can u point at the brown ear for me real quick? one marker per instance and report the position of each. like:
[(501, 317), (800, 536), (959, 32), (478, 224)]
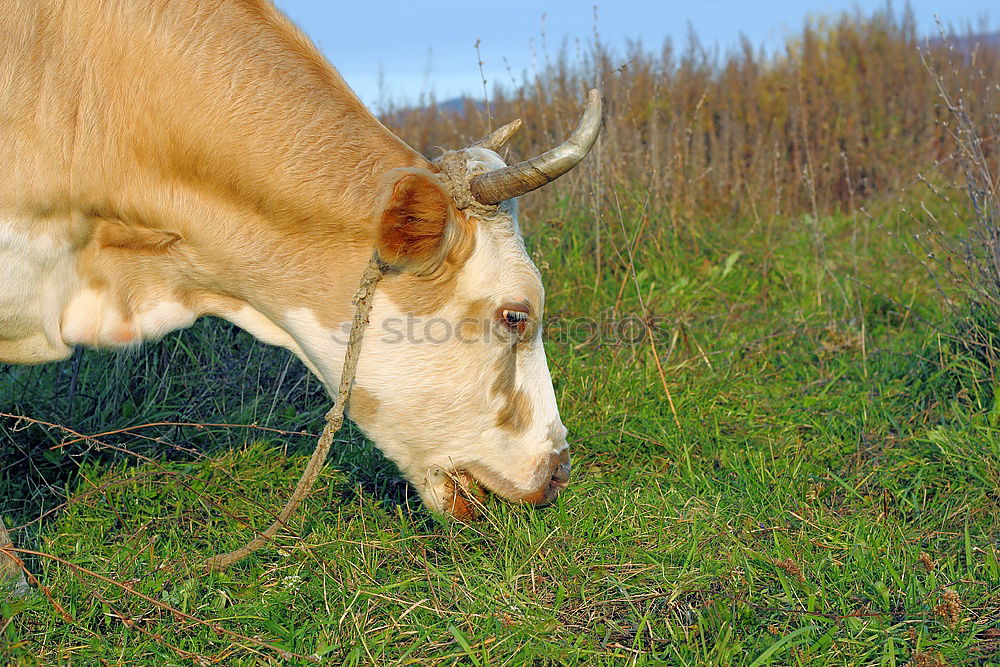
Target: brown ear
[(414, 225)]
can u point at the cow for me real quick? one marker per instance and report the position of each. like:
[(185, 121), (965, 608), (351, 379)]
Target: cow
[(163, 160)]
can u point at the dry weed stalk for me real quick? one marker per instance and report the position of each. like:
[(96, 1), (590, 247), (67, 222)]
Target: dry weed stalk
[(958, 228)]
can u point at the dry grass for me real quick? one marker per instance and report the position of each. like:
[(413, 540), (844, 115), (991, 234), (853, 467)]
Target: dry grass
[(845, 113)]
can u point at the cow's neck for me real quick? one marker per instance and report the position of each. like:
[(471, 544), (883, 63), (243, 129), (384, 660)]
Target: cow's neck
[(215, 164)]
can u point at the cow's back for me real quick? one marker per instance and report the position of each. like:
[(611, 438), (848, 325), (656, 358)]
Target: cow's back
[(211, 121)]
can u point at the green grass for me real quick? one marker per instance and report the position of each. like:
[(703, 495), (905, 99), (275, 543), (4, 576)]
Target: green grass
[(828, 438)]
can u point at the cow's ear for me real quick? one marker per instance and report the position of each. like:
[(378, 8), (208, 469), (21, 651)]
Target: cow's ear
[(416, 223)]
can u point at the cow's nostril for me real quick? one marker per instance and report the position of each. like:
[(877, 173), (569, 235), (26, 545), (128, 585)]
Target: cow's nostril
[(560, 474)]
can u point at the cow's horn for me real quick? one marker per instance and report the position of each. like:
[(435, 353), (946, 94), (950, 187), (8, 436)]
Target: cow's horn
[(501, 184), (500, 136)]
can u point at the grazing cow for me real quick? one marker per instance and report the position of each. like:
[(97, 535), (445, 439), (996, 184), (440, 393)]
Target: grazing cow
[(168, 159)]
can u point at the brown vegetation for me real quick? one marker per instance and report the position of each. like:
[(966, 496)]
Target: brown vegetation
[(847, 111)]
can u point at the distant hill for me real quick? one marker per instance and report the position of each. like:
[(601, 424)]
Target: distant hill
[(969, 43), (453, 105), (458, 104)]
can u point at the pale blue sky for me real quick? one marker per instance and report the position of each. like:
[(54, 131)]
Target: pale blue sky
[(426, 46)]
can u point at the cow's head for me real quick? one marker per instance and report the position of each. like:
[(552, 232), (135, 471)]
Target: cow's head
[(453, 383)]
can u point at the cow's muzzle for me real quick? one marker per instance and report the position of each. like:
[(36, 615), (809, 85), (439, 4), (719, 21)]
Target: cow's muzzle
[(463, 496), (558, 480)]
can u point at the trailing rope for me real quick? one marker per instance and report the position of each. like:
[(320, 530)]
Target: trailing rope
[(334, 419)]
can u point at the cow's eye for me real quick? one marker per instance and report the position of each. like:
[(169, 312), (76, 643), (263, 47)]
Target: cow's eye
[(514, 319)]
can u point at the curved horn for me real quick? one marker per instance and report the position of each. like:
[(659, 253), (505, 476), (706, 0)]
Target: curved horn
[(501, 184), (500, 136)]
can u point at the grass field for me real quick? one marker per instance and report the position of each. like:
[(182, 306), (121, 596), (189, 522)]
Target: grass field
[(824, 490), (828, 498)]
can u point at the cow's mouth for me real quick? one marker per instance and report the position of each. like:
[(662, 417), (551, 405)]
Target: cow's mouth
[(466, 487)]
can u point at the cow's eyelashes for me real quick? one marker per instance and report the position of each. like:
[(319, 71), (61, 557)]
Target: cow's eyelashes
[(514, 319)]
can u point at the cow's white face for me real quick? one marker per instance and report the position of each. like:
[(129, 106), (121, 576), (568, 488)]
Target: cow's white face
[(452, 382)]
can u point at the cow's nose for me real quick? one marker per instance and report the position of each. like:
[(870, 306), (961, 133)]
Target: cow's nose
[(560, 473), (558, 480)]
